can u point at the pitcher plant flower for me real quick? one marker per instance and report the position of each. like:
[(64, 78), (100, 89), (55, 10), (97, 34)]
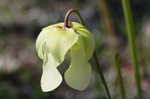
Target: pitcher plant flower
[(54, 43)]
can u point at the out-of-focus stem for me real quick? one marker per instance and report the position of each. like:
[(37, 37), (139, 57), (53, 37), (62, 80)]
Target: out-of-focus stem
[(120, 79), (131, 39), (107, 22), (102, 76)]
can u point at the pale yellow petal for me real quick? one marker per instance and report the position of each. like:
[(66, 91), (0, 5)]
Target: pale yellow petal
[(78, 74), (51, 78), (87, 39), (58, 41)]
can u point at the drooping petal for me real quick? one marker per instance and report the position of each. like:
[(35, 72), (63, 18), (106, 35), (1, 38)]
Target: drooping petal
[(88, 43), (52, 45), (51, 78), (58, 41), (79, 72), (87, 39)]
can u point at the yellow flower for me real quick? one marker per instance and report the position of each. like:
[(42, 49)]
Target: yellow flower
[(52, 45)]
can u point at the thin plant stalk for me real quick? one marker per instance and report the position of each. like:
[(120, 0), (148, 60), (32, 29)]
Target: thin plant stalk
[(67, 24), (120, 78), (131, 40), (102, 76), (109, 28), (69, 12)]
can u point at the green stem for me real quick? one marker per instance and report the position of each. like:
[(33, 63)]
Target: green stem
[(132, 44), (121, 84), (69, 12), (66, 24), (102, 76)]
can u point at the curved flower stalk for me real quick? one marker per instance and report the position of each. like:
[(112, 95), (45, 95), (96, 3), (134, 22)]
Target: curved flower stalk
[(54, 43)]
